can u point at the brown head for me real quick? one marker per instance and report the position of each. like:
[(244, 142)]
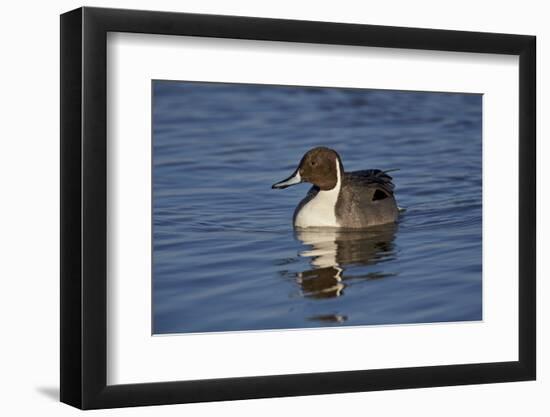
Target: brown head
[(319, 166)]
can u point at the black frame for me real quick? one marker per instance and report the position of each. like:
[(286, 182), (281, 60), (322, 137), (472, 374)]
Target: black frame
[(84, 208)]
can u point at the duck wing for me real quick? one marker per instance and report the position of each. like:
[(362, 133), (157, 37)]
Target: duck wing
[(366, 199), (371, 178)]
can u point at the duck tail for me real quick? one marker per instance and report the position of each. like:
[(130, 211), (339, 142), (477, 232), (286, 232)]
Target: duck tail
[(391, 170)]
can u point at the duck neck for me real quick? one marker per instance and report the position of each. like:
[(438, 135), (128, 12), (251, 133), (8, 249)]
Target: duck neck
[(336, 189), (320, 211)]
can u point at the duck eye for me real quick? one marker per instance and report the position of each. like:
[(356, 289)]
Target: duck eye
[(312, 163)]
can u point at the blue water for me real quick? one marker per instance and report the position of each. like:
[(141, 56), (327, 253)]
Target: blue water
[(225, 255)]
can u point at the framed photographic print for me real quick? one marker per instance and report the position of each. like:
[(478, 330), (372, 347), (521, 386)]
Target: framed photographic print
[(258, 207)]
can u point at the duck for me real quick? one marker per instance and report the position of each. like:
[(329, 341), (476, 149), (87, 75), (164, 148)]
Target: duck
[(339, 199)]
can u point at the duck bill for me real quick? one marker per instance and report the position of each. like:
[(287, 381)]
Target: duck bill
[(292, 180)]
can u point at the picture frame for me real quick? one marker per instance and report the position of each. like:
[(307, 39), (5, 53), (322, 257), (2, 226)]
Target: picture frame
[(84, 222)]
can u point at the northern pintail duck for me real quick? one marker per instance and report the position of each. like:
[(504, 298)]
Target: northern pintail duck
[(341, 199)]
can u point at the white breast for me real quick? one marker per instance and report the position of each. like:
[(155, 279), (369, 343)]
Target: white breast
[(320, 211)]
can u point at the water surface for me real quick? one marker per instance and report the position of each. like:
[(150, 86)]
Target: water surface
[(225, 255)]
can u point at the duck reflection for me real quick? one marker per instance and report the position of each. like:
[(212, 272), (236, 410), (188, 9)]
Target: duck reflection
[(332, 250)]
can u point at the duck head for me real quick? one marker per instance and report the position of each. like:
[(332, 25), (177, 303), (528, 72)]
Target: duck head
[(320, 166)]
